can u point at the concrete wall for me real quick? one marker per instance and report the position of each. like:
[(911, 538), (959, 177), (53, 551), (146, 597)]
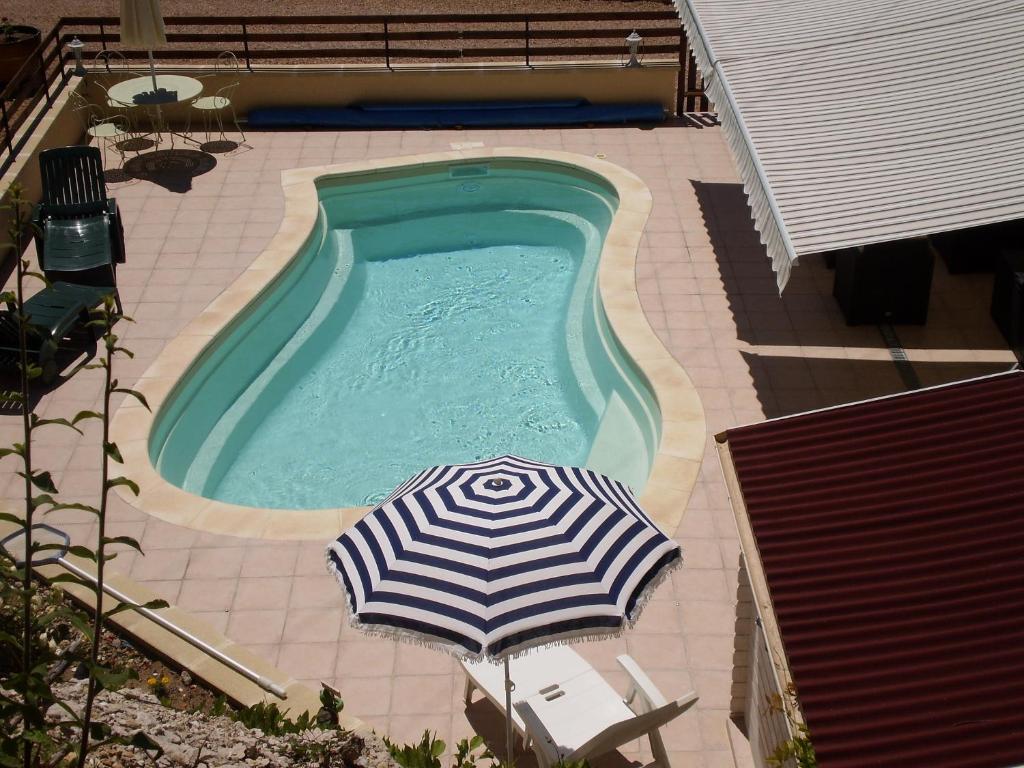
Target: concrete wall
[(315, 86), (305, 86), (57, 127), (757, 695)]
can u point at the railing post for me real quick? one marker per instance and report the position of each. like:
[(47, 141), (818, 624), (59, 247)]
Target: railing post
[(684, 47), (42, 73), (526, 38), (387, 46), (7, 128), (699, 102), (245, 46), (103, 38)]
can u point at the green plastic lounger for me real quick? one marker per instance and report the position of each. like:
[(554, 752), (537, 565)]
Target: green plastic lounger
[(52, 314), (79, 237)]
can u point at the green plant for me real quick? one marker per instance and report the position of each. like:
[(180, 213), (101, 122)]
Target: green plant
[(343, 750), (23, 714), (100, 677), (219, 707), (426, 754), (428, 751), (27, 738), (797, 750), (464, 756), (267, 717), (331, 706), (157, 684)]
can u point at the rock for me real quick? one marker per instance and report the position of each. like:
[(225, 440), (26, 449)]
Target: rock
[(81, 671), (186, 678), (225, 743)]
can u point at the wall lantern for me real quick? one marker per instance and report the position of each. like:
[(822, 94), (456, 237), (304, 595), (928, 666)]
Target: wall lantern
[(76, 47)]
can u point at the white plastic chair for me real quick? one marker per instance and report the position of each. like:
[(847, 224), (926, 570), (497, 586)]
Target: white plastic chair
[(569, 712)]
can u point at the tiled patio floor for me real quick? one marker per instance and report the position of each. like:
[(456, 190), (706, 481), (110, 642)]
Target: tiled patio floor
[(708, 291)]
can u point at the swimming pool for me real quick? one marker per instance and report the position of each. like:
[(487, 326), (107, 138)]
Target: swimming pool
[(440, 313)]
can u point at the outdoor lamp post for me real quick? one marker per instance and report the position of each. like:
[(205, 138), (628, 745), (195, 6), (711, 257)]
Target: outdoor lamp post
[(76, 47), (636, 44)]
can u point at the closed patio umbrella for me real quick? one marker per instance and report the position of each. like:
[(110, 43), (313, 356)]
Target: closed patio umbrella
[(142, 26), (489, 559)]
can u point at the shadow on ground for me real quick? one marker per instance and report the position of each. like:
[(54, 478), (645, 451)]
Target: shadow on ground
[(806, 314), (70, 360), (172, 169)]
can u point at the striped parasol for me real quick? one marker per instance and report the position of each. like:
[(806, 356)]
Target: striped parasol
[(489, 559)]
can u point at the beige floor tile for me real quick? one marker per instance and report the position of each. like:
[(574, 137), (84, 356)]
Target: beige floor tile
[(417, 660), (262, 593), (366, 658), (657, 652), (316, 592), (207, 594), (278, 560), (308, 660), (250, 627), (708, 617), (218, 620), (312, 625), (214, 563), (709, 652), (659, 617), (364, 696), (421, 694), (160, 565)]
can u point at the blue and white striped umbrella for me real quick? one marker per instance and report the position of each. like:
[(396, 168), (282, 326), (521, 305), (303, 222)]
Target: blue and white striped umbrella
[(489, 559)]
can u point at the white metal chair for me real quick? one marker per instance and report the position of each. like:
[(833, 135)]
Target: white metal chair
[(568, 711), (110, 130), (213, 108), (109, 67)]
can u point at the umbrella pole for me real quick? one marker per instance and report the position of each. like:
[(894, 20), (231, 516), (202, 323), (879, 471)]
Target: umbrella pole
[(509, 685), (152, 69)]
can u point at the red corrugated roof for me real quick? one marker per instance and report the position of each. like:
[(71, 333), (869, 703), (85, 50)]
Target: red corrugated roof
[(891, 534)]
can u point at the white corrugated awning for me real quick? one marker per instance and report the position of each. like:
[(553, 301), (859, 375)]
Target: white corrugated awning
[(856, 123)]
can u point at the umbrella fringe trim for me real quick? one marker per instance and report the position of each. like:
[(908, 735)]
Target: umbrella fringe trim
[(413, 637)]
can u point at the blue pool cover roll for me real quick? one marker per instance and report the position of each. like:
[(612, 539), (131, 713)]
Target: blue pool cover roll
[(412, 106), (456, 114)]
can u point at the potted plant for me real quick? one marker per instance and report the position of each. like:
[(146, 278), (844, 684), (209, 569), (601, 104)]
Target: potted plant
[(17, 43)]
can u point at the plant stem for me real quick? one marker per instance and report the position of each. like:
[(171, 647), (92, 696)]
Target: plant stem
[(93, 688), (26, 424)]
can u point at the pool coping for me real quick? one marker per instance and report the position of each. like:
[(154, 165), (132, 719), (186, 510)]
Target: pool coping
[(683, 428)]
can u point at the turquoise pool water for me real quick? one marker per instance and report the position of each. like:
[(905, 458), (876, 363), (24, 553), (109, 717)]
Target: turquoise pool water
[(440, 315)]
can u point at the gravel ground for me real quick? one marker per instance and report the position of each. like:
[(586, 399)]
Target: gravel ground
[(189, 740), (44, 14)]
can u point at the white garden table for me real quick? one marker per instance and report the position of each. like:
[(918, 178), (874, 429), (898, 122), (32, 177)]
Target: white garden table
[(170, 89)]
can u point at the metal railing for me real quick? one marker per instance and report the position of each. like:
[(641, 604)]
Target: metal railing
[(390, 39), (40, 77), (528, 40)]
